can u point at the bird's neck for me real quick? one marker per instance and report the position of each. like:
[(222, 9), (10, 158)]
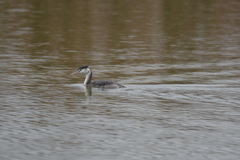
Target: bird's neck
[(88, 77)]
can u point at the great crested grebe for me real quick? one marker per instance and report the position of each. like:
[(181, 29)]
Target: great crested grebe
[(97, 84)]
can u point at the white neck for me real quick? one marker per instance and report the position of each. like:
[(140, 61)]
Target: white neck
[(88, 77)]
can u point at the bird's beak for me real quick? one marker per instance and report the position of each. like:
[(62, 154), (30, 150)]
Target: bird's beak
[(75, 72)]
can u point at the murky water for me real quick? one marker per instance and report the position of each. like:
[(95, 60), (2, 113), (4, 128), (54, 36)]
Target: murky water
[(179, 61)]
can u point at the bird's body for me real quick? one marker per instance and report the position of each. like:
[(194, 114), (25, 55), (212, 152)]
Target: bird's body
[(106, 84), (96, 84)]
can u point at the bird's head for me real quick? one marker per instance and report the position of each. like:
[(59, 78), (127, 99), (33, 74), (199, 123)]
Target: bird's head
[(83, 69)]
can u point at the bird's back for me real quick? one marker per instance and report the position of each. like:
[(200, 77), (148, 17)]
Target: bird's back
[(106, 84)]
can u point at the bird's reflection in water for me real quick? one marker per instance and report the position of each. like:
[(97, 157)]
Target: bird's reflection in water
[(85, 97), (88, 91)]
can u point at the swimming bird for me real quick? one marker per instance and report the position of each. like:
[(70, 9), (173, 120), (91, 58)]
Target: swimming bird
[(97, 84)]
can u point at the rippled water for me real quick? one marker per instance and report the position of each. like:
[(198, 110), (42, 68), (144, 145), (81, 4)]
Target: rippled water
[(179, 62)]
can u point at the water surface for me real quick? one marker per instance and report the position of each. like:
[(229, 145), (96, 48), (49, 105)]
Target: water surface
[(178, 60)]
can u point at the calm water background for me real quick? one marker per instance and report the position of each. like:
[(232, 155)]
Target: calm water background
[(179, 61)]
